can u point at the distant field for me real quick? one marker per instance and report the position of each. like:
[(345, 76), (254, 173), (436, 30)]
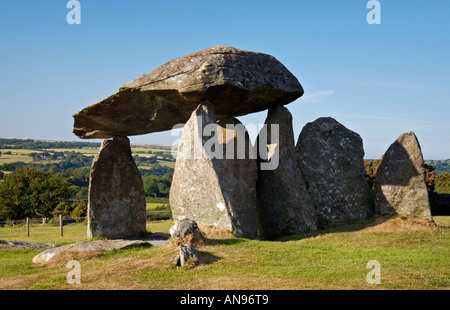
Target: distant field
[(170, 164), (7, 159), (151, 206), (16, 155), (21, 155), (84, 151)]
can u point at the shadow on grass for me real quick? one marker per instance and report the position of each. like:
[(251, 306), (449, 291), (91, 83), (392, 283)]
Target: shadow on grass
[(341, 227), (224, 241), (206, 258)]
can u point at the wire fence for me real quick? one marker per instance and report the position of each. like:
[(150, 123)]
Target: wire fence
[(151, 216)]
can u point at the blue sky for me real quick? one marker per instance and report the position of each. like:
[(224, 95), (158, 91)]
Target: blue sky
[(378, 80)]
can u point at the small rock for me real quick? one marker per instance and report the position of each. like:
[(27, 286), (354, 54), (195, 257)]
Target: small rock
[(186, 231), (184, 228), (186, 254)]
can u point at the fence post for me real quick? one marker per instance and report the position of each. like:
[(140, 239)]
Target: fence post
[(60, 225), (28, 227)]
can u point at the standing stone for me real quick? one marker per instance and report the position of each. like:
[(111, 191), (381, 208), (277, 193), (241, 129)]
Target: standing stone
[(330, 157), (116, 206), (286, 207), (208, 189), (400, 180)]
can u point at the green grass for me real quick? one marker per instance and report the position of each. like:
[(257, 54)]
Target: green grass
[(334, 258), (170, 164), (153, 206), (16, 155)]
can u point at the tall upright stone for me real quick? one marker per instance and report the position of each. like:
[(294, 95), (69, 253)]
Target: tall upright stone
[(208, 186), (330, 157), (285, 205), (116, 207), (400, 186)]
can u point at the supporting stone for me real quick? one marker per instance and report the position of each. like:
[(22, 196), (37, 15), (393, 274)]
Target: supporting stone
[(330, 157), (286, 207), (400, 186), (116, 207), (208, 186)]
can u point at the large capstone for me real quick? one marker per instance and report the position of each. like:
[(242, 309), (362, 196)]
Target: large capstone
[(116, 207), (400, 186), (330, 157), (285, 205), (236, 82), (209, 186)]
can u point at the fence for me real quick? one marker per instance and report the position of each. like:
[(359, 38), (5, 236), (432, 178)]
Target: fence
[(60, 221)]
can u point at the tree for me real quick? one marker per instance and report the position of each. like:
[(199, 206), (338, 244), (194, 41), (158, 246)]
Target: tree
[(442, 182), (371, 170), (80, 210), (157, 186), (31, 192), (429, 180), (429, 177)]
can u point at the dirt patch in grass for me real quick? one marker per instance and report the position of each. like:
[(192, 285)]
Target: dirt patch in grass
[(400, 224)]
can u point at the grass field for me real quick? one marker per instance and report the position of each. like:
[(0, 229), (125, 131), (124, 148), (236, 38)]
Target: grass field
[(151, 206), (16, 155), (412, 255)]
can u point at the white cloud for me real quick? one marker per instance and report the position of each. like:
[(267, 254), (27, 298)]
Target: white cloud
[(317, 96)]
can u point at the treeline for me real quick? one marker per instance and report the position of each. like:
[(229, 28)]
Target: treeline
[(30, 144), (442, 183), (440, 165), (30, 192), (437, 183), (157, 186)]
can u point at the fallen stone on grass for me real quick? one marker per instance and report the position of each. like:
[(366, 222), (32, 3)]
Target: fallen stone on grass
[(95, 245), (16, 244)]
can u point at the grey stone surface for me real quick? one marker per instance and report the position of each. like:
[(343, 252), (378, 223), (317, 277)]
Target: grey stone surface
[(116, 207), (285, 205), (236, 82), (212, 191), (186, 253), (17, 244), (184, 228), (330, 157), (86, 246), (400, 180)]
